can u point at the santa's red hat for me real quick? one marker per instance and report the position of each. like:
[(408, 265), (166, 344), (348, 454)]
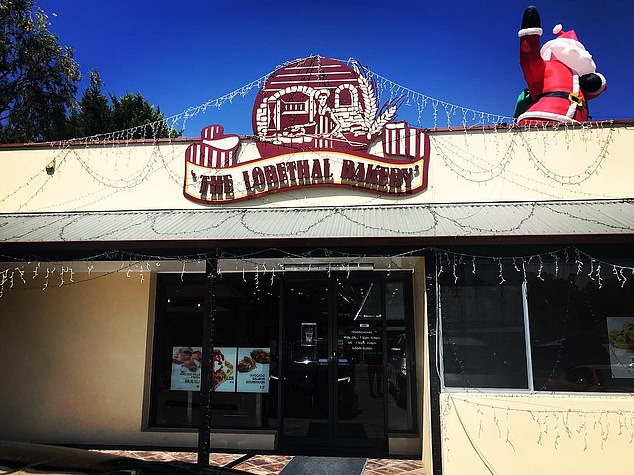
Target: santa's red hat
[(559, 31)]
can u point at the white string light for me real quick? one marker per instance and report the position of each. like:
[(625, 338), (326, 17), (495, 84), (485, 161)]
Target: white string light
[(421, 100), (123, 138), (551, 423)]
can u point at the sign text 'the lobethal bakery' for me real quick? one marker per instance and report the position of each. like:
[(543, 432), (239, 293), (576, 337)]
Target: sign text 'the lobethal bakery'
[(316, 123)]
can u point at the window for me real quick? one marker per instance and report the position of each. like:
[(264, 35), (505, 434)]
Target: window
[(246, 332), (483, 331), (246, 325), (582, 336), (400, 359), (581, 329)]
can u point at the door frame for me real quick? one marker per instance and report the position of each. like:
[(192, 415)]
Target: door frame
[(332, 441)]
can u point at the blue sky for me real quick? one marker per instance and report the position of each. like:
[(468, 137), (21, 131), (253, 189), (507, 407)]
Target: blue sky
[(180, 54)]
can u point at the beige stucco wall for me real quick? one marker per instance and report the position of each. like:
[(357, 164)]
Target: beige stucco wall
[(60, 387), (470, 166), (540, 433), (74, 362)]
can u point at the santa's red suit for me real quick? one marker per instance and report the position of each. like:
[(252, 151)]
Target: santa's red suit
[(556, 76)]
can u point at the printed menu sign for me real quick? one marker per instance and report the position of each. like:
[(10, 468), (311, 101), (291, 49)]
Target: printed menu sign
[(186, 362), (362, 338), (253, 370), (223, 375), (621, 344), (243, 370)]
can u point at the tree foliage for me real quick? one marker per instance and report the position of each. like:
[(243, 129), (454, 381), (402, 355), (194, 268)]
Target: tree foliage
[(38, 86), (38, 76), (132, 110), (132, 113), (92, 116)]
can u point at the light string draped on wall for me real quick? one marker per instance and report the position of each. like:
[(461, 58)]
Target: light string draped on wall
[(44, 275), (464, 164), (456, 262), (480, 169), (448, 262), (553, 425), (458, 159), (554, 419)]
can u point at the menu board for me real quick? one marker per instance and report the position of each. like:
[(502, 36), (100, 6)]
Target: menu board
[(243, 370), (253, 370), (621, 345)]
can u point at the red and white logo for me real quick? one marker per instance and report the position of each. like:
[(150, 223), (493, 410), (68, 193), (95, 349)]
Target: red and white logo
[(314, 121)]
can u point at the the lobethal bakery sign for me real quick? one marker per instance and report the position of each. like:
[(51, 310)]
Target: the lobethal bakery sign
[(317, 123)]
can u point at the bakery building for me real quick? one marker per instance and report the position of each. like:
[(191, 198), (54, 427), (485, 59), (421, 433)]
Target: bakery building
[(368, 287)]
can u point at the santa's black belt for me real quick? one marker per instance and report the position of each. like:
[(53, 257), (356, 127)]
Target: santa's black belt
[(564, 95)]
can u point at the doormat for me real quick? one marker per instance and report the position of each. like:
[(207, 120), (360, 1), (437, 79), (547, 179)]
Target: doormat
[(304, 465)]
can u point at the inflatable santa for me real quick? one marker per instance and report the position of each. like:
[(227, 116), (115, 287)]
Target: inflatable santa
[(561, 77)]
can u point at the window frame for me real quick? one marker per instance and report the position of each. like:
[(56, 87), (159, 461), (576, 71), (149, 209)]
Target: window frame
[(384, 277), (529, 359), (153, 368)]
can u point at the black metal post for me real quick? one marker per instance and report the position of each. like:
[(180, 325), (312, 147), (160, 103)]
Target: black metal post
[(431, 292), (204, 426)]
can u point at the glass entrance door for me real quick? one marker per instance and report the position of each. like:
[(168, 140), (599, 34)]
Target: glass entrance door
[(359, 323), (333, 384), (306, 366)]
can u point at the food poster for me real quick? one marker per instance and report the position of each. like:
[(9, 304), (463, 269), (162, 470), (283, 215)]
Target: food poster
[(186, 363), (253, 370), (621, 346), (223, 375)]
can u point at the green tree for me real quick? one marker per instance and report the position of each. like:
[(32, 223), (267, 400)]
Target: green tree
[(38, 76), (131, 113), (134, 112), (93, 115)]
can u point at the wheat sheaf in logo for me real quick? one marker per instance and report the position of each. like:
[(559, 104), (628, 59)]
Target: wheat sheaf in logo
[(316, 122)]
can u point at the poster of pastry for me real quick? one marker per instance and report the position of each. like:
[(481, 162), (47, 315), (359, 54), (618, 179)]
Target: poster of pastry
[(223, 374), (252, 370), (621, 346), (186, 363)]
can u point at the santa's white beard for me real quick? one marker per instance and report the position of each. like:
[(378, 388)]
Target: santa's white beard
[(570, 52)]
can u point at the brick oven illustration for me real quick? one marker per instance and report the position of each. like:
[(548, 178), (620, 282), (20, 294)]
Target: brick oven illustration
[(317, 123), (318, 103)]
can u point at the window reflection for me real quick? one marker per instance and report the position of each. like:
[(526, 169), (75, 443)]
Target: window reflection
[(571, 319), (400, 355), (581, 327), (483, 331), (246, 317)]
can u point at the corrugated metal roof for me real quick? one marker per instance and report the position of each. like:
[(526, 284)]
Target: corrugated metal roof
[(427, 220)]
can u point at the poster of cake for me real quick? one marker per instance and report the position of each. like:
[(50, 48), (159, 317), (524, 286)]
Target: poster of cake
[(253, 370), (621, 346), (186, 363)]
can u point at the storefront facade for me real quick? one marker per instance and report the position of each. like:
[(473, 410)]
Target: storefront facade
[(468, 303), (295, 390)]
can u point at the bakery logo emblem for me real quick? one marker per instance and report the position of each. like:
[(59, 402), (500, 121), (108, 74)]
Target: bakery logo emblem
[(317, 123)]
